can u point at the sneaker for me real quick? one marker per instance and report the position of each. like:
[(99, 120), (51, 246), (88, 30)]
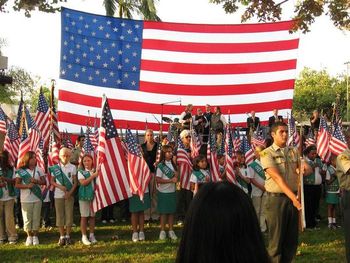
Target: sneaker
[(180, 223), (162, 235), (330, 226), (68, 241), (142, 236), (172, 235), (93, 239), (336, 226), (61, 241), (29, 241), (111, 221), (104, 221), (135, 237), (12, 242), (85, 241), (35, 241)]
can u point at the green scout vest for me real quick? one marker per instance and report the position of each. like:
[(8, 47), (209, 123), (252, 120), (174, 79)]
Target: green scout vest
[(86, 192), (310, 179), (258, 169), (26, 179), (241, 182), (57, 172), (200, 176), (9, 187), (334, 185), (166, 170)]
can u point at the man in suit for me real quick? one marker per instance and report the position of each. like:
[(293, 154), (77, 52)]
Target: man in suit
[(252, 122), (275, 118)]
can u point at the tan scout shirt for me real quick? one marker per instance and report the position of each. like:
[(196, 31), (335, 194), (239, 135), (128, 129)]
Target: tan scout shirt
[(74, 159), (343, 166), (286, 160)]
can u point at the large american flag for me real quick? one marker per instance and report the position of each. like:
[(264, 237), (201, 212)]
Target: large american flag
[(139, 172), (142, 64), (11, 142), (112, 184), (42, 117)]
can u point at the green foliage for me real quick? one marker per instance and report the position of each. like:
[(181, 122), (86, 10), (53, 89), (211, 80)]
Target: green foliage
[(22, 82), (35, 98), (305, 13), (29, 5), (317, 90)]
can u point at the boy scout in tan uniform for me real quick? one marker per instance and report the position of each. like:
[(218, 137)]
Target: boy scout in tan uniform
[(281, 164), (343, 174)]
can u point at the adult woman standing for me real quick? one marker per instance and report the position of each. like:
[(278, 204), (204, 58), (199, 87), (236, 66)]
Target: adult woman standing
[(28, 179), (149, 150)]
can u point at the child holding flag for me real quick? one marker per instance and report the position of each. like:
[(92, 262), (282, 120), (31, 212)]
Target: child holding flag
[(86, 177), (200, 173), (28, 179), (64, 179), (166, 178)]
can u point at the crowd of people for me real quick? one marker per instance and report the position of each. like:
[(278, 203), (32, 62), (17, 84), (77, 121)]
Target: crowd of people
[(262, 199)]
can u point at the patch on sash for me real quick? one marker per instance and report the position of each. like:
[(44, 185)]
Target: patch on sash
[(344, 157)]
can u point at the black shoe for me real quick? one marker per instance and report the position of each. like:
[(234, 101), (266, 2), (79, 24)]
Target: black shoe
[(61, 241)]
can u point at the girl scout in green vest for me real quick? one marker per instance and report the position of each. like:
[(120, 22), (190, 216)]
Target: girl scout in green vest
[(332, 192), (166, 178), (29, 177), (7, 200), (200, 173), (86, 177)]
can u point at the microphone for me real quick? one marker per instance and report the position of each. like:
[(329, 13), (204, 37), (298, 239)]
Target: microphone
[(180, 102)]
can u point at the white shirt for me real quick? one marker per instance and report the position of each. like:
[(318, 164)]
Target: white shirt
[(26, 194), (69, 170), (168, 187), (5, 191), (256, 191)]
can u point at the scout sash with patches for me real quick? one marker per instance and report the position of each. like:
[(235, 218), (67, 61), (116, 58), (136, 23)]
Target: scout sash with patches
[(26, 177), (258, 169), (166, 170), (333, 187), (199, 175), (57, 172), (86, 192)]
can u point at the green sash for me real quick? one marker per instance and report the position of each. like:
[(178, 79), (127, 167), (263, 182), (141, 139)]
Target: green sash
[(258, 169), (200, 176), (242, 182), (60, 176), (86, 192), (310, 179), (166, 170), (26, 177), (334, 185)]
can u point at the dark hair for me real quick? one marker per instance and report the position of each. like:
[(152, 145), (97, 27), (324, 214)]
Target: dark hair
[(24, 162), (81, 164), (196, 161), (166, 148), (4, 163), (221, 226), (309, 149), (277, 124), (79, 137)]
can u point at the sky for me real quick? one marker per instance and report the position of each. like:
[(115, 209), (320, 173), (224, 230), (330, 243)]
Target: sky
[(34, 43)]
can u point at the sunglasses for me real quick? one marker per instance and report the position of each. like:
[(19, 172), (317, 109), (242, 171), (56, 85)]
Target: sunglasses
[(188, 137)]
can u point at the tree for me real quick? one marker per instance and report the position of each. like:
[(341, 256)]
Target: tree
[(126, 8), (305, 11), (30, 5), (22, 82), (317, 90), (35, 98)]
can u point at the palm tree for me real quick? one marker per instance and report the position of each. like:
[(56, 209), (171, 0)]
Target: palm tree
[(145, 8)]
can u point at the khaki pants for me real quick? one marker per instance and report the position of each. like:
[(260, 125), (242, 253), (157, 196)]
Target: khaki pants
[(259, 205), (31, 213), (7, 220), (64, 211)]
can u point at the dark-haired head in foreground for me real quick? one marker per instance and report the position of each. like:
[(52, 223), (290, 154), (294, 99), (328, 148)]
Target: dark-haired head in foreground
[(221, 226)]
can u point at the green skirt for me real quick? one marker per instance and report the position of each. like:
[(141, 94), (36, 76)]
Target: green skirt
[(136, 205), (166, 203), (332, 198)]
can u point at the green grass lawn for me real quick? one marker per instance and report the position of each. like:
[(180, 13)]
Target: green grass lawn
[(322, 245)]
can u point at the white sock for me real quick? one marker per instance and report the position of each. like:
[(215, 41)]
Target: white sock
[(329, 220), (334, 220), (84, 236), (67, 236), (62, 237), (92, 235)]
